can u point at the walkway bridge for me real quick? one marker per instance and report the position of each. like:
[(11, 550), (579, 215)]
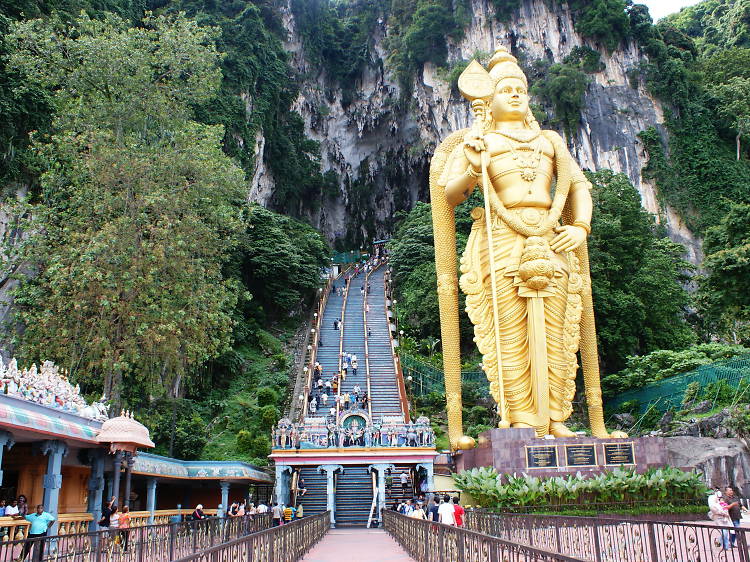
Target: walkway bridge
[(343, 453)]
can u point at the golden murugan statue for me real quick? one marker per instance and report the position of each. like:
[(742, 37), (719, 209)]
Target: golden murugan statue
[(525, 272)]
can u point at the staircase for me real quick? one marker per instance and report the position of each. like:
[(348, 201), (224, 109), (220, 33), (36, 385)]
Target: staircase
[(354, 337), (353, 497), (328, 353), (314, 501), (395, 493), (384, 386)]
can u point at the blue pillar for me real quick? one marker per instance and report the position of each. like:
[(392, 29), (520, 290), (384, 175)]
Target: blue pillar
[(96, 486), (224, 499), (282, 484), (330, 470), (151, 499), (6, 441), (55, 451)]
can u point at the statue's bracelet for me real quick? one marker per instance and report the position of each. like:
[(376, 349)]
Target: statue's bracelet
[(585, 226), (471, 173)]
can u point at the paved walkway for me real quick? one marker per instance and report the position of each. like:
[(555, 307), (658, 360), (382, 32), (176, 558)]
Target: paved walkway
[(362, 545)]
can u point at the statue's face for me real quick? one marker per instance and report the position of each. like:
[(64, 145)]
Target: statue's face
[(511, 100)]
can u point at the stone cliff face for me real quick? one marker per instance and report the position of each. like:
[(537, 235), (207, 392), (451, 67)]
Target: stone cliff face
[(381, 151)]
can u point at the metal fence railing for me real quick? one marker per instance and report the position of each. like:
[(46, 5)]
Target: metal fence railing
[(606, 540), (667, 394), (426, 379), (427, 541), (284, 543), (152, 543)]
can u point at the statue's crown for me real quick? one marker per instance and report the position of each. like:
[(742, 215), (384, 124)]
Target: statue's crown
[(504, 65)]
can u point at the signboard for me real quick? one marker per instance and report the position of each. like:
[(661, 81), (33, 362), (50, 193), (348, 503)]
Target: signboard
[(619, 453), (580, 455), (541, 456)]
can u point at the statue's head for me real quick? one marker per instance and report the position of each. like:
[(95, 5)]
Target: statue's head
[(503, 86), (510, 101)]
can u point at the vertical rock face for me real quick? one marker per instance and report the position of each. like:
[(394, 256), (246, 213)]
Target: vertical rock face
[(723, 462), (381, 149)]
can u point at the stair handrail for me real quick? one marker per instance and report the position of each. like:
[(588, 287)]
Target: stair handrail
[(397, 364), (347, 285), (367, 342), (374, 500)]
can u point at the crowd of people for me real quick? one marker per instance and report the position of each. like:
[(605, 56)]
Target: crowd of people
[(48, 385), (288, 435), (324, 393), (440, 509)]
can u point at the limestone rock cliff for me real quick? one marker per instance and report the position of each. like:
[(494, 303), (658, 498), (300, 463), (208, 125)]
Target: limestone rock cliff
[(381, 151)]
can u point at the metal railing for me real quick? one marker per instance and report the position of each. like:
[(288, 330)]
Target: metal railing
[(152, 543), (427, 541), (608, 540), (284, 543)]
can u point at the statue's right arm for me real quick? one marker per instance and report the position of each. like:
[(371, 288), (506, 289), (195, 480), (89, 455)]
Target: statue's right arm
[(462, 179)]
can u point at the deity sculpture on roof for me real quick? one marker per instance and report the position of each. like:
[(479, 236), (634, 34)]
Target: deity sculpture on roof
[(525, 269)]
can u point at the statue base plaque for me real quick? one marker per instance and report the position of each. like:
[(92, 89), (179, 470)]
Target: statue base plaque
[(519, 450)]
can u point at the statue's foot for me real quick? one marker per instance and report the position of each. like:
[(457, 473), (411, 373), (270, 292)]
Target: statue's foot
[(521, 425), (559, 429), (618, 434)]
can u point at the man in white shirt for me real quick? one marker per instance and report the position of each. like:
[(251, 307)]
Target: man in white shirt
[(446, 511), (262, 508)]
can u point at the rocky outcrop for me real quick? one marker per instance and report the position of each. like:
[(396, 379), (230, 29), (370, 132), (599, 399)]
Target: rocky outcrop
[(384, 150), (723, 462)]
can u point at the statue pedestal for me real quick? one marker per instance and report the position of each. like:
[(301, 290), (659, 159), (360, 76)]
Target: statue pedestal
[(519, 450)]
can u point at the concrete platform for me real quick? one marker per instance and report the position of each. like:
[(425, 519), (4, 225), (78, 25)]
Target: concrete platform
[(362, 545)]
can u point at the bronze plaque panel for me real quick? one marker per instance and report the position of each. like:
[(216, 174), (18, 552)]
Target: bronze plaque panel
[(581, 455), (541, 456), (619, 453)]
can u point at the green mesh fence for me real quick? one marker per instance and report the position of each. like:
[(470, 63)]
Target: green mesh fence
[(348, 257), (668, 394), (426, 379)]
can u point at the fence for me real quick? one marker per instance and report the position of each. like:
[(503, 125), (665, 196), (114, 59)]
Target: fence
[(606, 540), (152, 543), (285, 543), (427, 541), (426, 379), (667, 394)]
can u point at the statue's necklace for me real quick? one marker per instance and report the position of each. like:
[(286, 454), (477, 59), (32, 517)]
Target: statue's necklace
[(527, 156)]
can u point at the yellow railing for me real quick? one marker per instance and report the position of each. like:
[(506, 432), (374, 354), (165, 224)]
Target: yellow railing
[(73, 523)]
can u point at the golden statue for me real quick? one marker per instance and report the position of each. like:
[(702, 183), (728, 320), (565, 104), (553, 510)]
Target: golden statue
[(525, 272)]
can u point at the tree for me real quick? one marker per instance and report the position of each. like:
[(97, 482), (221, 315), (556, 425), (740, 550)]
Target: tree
[(734, 106), (637, 276), (723, 296), (140, 205)]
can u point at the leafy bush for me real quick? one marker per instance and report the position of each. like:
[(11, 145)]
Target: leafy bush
[(493, 490)]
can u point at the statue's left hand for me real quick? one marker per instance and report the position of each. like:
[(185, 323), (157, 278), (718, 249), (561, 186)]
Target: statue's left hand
[(568, 238)]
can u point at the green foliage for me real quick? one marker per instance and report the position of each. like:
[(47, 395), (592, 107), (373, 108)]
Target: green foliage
[(141, 207), (605, 21), (637, 275), (561, 86), (494, 490), (658, 365), (739, 421), (504, 9), (691, 393), (715, 24), (586, 58), (723, 297), (189, 424)]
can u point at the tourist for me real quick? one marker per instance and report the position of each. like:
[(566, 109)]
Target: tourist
[(198, 514), (23, 506), (324, 400), (369, 332), (234, 509), (114, 521), (40, 521), (12, 509), (241, 511), (404, 476), (734, 508), (719, 514), (347, 400), (107, 511), (124, 527), (276, 514), (328, 387), (3, 505), (262, 508), (300, 513), (335, 324), (289, 512), (301, 487), (356, 389), (355, 366), (365, 400), (446, 512), (418, 512), (458, 512), (432, 511)]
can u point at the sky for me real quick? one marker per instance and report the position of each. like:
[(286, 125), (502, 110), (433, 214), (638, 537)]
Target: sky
[(661, 8)]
